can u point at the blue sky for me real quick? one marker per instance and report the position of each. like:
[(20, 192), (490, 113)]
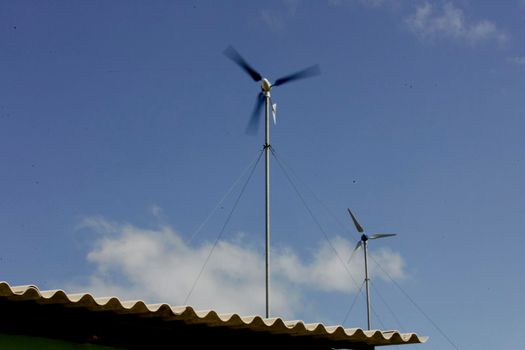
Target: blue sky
[(122, 126)]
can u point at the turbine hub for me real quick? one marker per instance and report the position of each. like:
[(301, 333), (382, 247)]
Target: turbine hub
[(364, 238), (266, 85)]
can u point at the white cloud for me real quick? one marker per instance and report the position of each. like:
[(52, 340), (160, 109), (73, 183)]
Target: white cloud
[(371, 3), (156, 211), (156, 265), (275, 19), (374, 3), (292, 6), (449, 21), (272, 19), (519, 60)]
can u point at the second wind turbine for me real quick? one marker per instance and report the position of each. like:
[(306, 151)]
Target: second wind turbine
[(364, 242), (264, 97)]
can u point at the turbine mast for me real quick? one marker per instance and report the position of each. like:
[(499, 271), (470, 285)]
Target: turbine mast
[(266, 86), (267, 149), (364, 238)]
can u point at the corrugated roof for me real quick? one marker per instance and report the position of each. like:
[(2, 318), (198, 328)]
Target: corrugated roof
[(171, 316)]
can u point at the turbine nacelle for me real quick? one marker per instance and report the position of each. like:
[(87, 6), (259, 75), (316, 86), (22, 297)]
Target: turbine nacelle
[(266, 86)]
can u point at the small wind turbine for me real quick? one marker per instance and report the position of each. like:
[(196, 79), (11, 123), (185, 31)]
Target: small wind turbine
[(264, 96), (364, 242)]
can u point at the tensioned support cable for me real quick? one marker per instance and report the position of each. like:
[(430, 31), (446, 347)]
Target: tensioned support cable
[(376, 290), (201, 226), (223, 228), (400, 325), (429, 319), (434, 324), (314, 218), (328, 210), (353, 303), (326, 237), (419, 308)]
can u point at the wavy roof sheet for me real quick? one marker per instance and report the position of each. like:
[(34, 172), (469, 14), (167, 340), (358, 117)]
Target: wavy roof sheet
[(87, 311)]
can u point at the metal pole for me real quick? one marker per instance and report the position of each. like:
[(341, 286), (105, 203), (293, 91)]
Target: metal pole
[(365, 246), (267, 178)]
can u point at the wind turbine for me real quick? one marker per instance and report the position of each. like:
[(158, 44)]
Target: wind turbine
[(364, 242), (265, 97)]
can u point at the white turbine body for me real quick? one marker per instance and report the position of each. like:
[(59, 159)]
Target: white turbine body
[(266, 85)]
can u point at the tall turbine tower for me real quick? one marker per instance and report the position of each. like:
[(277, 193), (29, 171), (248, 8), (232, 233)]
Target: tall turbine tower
[(265, 97)]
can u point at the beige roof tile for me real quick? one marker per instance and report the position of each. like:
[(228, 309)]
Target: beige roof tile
[(344, 337)]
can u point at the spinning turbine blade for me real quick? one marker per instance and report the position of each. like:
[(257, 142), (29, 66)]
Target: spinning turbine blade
[(253, 124), (381, 235), (232, 54), (357, 226), (274, 113), (302, 74), (358, 245)]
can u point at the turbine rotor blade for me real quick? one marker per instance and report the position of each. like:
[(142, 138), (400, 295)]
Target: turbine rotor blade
[(358, 245), (232, 54), (253, 124), (302, 74), (357, 226), (381, 235)]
